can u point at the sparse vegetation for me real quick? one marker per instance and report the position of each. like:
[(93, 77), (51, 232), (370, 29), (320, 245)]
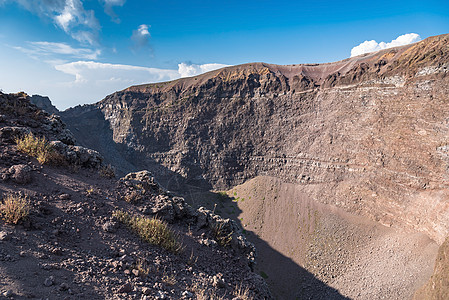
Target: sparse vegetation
[(222, 238), (202, 292), (142, 267), (133, 196), (242, 293), (38, 148), (151, 230), (107, 171), (169, 279), (14, 208), (192, 259), (90, 191)]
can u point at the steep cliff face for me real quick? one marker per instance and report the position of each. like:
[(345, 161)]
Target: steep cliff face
[(368, 134)]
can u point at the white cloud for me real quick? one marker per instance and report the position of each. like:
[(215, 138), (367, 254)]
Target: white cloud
[(188, 70), (69, 15), (141, 36), (371, 46), (92, 81), (90, 71), (38, 50)]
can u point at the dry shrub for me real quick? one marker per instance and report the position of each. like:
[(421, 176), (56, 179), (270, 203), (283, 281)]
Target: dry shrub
[(169, 279), (39, 148), (14, 208), (203, 291), (242, 293), (151, 230), (107, 171)]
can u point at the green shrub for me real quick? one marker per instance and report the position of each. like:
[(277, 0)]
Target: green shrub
[(151, 230), (14, 208)]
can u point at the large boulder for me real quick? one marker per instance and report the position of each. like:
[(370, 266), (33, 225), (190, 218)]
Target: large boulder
[(77, 155)]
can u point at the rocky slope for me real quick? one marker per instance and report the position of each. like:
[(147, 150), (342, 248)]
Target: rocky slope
[(367, 134), (74, 245)]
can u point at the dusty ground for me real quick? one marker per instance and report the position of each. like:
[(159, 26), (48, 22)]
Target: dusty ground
[(308, 250), (71, 247), (65, 250)]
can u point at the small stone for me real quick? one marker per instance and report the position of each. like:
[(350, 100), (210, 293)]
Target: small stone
[(110, 227), (57, 251), (187, 294), (64, 197), (63, 287), (136, 272), (49, 281), (146, 291), (160, 295), (126, 288), (22, 254), (8, 293), (127, 272), (208, 242), (218, 281), (4, 236)]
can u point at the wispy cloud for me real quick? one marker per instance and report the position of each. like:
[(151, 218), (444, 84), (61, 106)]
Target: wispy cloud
[(90, 71), (371, 46), (95, 80), (188, 70), (48, 51), (108, 8), (141, 36), (69, 15)]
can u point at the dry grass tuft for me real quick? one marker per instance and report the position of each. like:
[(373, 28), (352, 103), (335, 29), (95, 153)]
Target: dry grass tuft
[(223, 239), (202, 292), (151, 230), (14, 208), (38, 148), (242, 293), (169, 279)]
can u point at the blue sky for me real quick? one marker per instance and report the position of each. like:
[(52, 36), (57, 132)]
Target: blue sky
[(77, 51)]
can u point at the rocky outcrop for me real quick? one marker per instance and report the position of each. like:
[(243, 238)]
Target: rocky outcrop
[(141, 189), (78, 155), (20, 116), (367, 134), (44, 103)]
